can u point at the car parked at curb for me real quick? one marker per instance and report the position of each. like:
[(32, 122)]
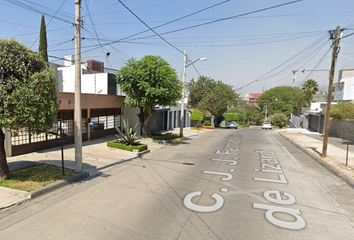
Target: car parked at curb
[(95, 126), (267, 125), (232, 125)]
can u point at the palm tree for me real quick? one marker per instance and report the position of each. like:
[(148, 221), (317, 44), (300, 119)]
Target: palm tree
[(310, 87)]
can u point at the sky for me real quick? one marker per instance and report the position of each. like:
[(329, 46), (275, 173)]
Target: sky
[(252, 45)]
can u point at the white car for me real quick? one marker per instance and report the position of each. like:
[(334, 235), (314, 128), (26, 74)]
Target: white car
[(232, 125), (267, 125)]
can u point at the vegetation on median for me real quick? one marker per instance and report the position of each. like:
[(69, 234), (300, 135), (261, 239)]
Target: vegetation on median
[(116, 144), (29, 179)]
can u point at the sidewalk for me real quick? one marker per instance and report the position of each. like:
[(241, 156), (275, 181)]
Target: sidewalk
[(96, 157), (335, 161)]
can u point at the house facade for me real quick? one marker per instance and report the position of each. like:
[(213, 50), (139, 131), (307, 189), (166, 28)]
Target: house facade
[(102, 109)]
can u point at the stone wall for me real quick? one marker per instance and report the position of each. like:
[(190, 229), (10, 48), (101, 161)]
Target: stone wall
[(342, 129)]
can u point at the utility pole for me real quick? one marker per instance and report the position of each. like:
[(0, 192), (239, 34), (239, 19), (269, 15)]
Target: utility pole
[(77, 111), (183, 95), (330, 87), (294, 78)]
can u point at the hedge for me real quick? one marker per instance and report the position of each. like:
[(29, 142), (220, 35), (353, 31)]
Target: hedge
[(116, 144)]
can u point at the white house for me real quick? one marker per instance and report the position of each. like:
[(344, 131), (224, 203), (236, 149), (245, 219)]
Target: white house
[(344, 89), (96, 79)]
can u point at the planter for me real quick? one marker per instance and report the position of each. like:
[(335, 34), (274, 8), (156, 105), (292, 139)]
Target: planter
[(133, 148)]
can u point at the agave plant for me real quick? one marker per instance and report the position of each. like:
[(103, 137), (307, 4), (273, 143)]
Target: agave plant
[(128, 136)]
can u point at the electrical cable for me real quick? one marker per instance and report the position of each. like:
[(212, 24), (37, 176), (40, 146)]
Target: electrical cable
[(263, 76), (150, 27), (49, 21), (223, 19)]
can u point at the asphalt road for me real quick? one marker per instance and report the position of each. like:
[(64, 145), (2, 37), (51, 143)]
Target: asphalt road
[(227, 184)]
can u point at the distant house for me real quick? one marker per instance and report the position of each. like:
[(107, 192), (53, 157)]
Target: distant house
[(253, 98)]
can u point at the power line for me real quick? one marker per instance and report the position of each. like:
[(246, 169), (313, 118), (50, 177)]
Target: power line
[(287, 61), (236, 16), (49, 21), (150, 27), (218, 20)]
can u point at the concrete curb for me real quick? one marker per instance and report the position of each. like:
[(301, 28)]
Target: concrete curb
[(329, 167), (58, 184)]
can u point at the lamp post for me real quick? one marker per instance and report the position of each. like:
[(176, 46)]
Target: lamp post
[(183, 89)]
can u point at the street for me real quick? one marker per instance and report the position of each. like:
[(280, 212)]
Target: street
[(226, 184)]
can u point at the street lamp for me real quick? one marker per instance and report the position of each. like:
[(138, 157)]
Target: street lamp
[(183, 89)]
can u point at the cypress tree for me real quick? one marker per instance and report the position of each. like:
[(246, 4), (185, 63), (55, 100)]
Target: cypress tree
[(43, 41)]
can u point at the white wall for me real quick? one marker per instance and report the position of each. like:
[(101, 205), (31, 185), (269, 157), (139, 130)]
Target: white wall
[(95, 83), (132, 115), (348, 91)]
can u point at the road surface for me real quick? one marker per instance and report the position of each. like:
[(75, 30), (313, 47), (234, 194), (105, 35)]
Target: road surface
[(227, 184)]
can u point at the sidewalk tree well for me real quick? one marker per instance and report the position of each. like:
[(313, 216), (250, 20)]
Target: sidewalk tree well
[(149, 82), (28, 95)]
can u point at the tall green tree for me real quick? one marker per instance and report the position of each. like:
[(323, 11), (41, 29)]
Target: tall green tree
[(283, 99), (310, 87), (27, 93), (210, 95), (149, 82), (43, 46)]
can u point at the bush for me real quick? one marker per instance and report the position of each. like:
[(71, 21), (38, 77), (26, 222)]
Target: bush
[(232, 117), (206, 123), (197, 115), (208, 127), (343, 110), (116, 144), (166, 136)]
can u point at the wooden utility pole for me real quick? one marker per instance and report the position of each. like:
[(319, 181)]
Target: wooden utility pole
[(330, 87), (77, 111)]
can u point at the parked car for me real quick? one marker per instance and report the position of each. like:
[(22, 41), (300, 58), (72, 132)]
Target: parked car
[(267, 125), (96, 126), (232, 125)]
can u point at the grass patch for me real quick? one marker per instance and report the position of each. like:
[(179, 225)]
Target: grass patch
[(116, 144), (31, 178), (165, 136)]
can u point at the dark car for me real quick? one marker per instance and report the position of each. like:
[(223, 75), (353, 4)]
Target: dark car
[(95, 126)]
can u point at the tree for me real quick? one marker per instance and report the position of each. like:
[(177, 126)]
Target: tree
[(43, 51), (343, 110), (278, 119), (196, 116), (149, 82), (231, 117), (283, 99), (27, 93), (310, 87), (210, 95)]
